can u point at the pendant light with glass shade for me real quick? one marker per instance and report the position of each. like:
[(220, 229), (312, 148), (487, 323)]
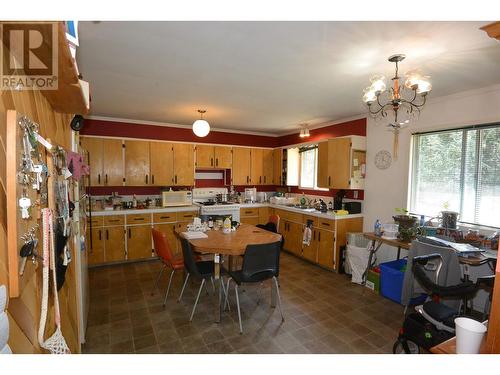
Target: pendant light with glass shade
[(304, 132), (201, 127)]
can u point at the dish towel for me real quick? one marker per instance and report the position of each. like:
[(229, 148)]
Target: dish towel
[(306, 238), (4, 323)]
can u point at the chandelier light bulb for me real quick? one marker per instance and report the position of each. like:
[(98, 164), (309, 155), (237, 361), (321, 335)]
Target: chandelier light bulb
[(369, 96), (378, 84), (306, 133), (413, 77), (201, 128), (424, 85)]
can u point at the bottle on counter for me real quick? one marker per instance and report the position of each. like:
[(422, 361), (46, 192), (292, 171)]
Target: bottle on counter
[(422, 220), (210, 222), (227, 225), (134, 202), (377, 228)]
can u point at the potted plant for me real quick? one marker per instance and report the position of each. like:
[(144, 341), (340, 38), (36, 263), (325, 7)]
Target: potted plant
[(407, 224)]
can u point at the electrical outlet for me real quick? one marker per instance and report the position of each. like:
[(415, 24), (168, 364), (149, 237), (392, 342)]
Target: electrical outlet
[(355, 194)]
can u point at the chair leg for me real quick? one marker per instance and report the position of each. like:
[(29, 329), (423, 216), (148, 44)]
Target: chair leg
[(279, 298), (238, 305), (183, 287), (168, 287), (158, 279), (259, 292), (197, 298), (226, 300)]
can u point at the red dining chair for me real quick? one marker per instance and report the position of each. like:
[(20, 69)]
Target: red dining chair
[(163, 250), (275, 219)]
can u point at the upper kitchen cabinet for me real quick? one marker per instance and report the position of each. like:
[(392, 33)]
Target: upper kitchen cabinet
[(95, 159), (341, 163), (256, 167), (223, 157), (161, 163), (112, 162), (137, 163), (183, 164), (277, 166), (241, 161), (213, 157), (267, 167)]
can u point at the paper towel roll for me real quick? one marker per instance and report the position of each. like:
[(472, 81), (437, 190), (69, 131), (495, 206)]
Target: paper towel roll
[(3, 298), (4, 329), (6, 350)]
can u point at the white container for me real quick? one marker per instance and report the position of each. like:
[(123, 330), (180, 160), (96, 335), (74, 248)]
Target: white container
[(470, 334), (390, 231)]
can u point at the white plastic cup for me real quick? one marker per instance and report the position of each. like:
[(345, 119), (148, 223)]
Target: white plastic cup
[(469, 334)]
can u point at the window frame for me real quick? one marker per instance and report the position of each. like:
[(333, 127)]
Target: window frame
[(303, 148), (414, 159)]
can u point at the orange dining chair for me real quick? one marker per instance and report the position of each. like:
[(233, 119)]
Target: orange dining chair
[(163, 250), (275, 219)]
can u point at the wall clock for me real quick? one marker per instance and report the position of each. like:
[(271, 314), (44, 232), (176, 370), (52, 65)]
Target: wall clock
[(383, 159)]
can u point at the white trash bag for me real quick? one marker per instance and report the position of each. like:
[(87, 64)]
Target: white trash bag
[(358, 252)]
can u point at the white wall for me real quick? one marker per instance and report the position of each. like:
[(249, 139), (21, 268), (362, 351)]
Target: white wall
[(387, 189)]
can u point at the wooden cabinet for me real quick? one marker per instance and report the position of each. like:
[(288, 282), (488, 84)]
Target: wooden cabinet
[(241, 161), (293, 237), (169, 230), (267, 167), (256, 167), (95, 245), (310, 252), (278, 166), (137, 166), (161, 163), (263, 215), (341, 163), (213, 157), (139, 242), (183, 164), (326, 248), (113, 162), (114, 243), (249, 215), (205, 156), (223, 157), (95, 159)]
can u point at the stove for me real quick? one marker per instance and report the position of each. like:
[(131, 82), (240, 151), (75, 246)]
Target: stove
[(206, 199)]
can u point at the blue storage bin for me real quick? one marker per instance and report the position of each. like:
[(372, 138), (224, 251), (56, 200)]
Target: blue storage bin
[(391, 279)]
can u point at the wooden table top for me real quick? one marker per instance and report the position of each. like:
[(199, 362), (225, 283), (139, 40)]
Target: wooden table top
[(396, 243), (234, 243), (450, 347)]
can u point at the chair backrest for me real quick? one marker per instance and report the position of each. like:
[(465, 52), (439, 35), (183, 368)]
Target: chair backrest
[(261, 261), (162, 247), (189, 259), (274, 219)]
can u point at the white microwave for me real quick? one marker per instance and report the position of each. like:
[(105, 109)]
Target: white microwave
[(172, 198)]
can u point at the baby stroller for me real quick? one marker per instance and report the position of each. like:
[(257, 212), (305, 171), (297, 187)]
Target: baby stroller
[(433, 322)]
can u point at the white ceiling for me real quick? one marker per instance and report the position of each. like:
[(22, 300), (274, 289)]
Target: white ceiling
[(269, 76)]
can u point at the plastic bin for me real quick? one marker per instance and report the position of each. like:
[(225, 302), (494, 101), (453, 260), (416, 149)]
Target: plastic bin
[(391, 279), (357, 256)]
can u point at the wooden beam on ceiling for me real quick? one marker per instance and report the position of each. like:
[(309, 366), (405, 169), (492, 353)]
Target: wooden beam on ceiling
[(493, 30)]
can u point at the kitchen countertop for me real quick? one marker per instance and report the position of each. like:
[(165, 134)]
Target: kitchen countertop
[(145, 210), (328, 215)]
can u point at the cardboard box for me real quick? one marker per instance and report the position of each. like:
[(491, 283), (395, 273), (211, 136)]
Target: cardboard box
[(373, 281)]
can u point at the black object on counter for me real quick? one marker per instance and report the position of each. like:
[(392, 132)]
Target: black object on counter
[(353, 207), (337, 200), (322, 206)]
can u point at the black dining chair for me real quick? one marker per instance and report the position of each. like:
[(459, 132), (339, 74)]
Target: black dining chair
[(260, 263), (201, 270)]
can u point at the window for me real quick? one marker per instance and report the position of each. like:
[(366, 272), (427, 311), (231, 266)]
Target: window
[(309, 167), (458, 170)]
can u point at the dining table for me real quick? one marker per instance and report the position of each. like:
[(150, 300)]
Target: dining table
[(234, 243)]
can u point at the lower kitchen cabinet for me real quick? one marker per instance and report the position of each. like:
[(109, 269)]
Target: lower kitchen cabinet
[(250, 220), (293, 237), (310, 252), (95, 246), (263, 215), (326, 240), (139, 242), (114, 244)]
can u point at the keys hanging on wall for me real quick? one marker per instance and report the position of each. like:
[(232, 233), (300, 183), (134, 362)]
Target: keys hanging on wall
[(24, 205)]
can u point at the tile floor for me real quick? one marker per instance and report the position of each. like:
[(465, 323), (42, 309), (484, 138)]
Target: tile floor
[(324, 313)]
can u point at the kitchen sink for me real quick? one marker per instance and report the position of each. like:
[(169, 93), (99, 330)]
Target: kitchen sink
[(303, 208)]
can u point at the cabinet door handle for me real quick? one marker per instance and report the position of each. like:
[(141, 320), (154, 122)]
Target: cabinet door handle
[(329, 181), (129, 233), (319, 236), (107, 234), (175, 178), (114, 220), (138, 218), (100, 237), (260, 179), (99, 178), (146, 179), (247, 179), (212, 162), (216, 162), (106, 179), (325, 224), (153, 179)]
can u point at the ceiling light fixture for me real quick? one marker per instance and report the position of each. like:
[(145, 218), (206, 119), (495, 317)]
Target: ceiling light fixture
[(403, 99), (201, 127), (304, 132)]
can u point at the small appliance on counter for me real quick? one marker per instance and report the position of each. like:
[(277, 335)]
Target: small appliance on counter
[(250, 195), (322, 206), (353, 207), (338, 200), (261, 197), (172, 198)]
